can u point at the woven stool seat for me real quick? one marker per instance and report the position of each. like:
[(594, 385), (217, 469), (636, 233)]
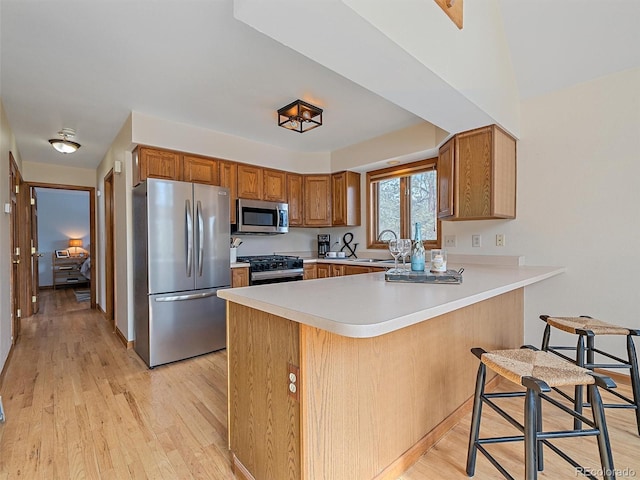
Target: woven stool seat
[(598, 327), (540, 373), (523, 362)]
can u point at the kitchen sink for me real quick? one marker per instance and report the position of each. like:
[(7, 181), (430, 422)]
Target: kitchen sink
[(364, 260)]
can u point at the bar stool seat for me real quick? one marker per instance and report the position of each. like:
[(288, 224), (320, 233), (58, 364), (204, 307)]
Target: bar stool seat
[(537, 371), (589, 328)]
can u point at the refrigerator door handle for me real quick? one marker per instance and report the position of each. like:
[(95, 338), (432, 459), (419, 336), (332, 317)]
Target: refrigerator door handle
[(179, 298), (189, 225), (200, 237)]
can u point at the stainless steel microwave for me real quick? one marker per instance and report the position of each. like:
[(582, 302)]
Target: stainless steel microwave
[(258, 217)]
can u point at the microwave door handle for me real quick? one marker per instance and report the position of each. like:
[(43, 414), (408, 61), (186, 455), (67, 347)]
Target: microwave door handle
[(200, 237), (278, 218), (189, 228)]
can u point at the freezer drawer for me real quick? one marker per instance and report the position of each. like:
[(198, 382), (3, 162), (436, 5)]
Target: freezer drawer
[(184, 325)]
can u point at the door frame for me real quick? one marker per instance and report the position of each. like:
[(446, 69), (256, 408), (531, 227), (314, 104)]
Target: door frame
[(109, 251), (15, 182), (92, 226)]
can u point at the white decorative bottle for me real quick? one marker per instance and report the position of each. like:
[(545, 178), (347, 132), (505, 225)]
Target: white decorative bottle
[(417, 252)]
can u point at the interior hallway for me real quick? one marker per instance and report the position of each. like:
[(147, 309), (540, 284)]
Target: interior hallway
[(79, 405)]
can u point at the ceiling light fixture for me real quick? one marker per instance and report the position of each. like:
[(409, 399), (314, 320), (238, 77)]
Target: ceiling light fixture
[(63, 144), (300, 116)]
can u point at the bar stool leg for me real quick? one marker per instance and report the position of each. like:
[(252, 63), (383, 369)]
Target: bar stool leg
[(578, 402), (474, 433), (539, 443), (530, 436), (545, 337), (635, 378), (604, 447)]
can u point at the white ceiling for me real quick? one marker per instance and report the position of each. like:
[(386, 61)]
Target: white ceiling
[(87, 65)]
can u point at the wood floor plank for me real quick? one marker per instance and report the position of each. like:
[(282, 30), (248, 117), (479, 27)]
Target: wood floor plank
[(80, 406)]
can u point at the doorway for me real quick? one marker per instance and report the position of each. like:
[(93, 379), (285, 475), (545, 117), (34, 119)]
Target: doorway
[(109, 248), (66, 236)]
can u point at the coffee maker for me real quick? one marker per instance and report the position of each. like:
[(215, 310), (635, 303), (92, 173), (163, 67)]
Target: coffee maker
[(324, 244)]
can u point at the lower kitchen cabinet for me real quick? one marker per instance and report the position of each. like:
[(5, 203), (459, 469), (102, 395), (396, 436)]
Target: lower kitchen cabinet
[(240, 277), (310, 272)]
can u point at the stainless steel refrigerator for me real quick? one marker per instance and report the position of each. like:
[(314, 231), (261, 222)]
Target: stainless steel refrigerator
[(181, 259)]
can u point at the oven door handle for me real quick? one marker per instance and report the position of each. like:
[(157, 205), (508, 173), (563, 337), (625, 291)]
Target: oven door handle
[(294, 272)]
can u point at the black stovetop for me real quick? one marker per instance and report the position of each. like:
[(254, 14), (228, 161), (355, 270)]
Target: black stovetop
[(261, 263)]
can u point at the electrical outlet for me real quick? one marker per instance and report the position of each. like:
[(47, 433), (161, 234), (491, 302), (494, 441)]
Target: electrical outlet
[(500, 241), (449, 240), (476, 240)]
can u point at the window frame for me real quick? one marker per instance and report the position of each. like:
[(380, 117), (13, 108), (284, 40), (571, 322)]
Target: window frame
[(403, 172)]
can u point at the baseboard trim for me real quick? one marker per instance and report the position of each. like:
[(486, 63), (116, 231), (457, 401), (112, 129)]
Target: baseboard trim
[(411, 456), (128, 344), (239, 470)]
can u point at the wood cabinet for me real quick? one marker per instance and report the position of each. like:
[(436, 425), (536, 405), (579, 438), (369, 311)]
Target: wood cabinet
[(317, 200), (324, 270), (337, 270), (250, 182), (229, 178), (295, 199), (310, 272), (200, 170), (156, 163), (345, 199), (66, 271), (240, 277), (477, 175), (275, 185)]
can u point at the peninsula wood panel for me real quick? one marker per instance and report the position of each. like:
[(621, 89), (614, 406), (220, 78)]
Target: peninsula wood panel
[(379, 396), (264, 421)]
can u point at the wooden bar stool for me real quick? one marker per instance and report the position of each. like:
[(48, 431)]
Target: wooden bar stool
[(588, 328), (538, 372)]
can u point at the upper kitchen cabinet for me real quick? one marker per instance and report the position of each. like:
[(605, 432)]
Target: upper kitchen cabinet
[(250, 182), (345, 199), (275, 185), (317, 200), (477, 175), (200, 170), (295, 198), (154, 163), (229, 178)]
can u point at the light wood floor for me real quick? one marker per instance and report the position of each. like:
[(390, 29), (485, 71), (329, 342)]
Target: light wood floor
[(79, 405)]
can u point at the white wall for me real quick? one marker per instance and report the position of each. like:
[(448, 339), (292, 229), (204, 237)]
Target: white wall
[(62, 214), (577, 203), (7, 144)]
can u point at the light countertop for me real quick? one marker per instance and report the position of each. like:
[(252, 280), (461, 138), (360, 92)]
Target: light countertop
[(365, 305)]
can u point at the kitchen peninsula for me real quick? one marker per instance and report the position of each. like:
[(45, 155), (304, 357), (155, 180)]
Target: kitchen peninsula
[(354, 377)]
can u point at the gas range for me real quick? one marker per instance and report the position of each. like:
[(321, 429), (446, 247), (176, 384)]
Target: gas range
[(273, 268)]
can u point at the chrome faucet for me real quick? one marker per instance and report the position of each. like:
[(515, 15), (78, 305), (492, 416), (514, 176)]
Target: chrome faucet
[(395, 237)]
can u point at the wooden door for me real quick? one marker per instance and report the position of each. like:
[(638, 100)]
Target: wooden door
[(317, 200), (295, 197), (250, 182), (229, 179), (14, 185), (200, 170), (445, 180), (35, 254), (275, 185), (109, 256), (323, 270), (156, 163)]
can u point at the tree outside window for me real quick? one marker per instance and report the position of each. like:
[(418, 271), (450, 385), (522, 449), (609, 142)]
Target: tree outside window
[(398, 198)]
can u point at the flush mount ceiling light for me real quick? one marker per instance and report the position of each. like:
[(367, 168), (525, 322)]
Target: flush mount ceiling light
[(300, 116), (63, 144)]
